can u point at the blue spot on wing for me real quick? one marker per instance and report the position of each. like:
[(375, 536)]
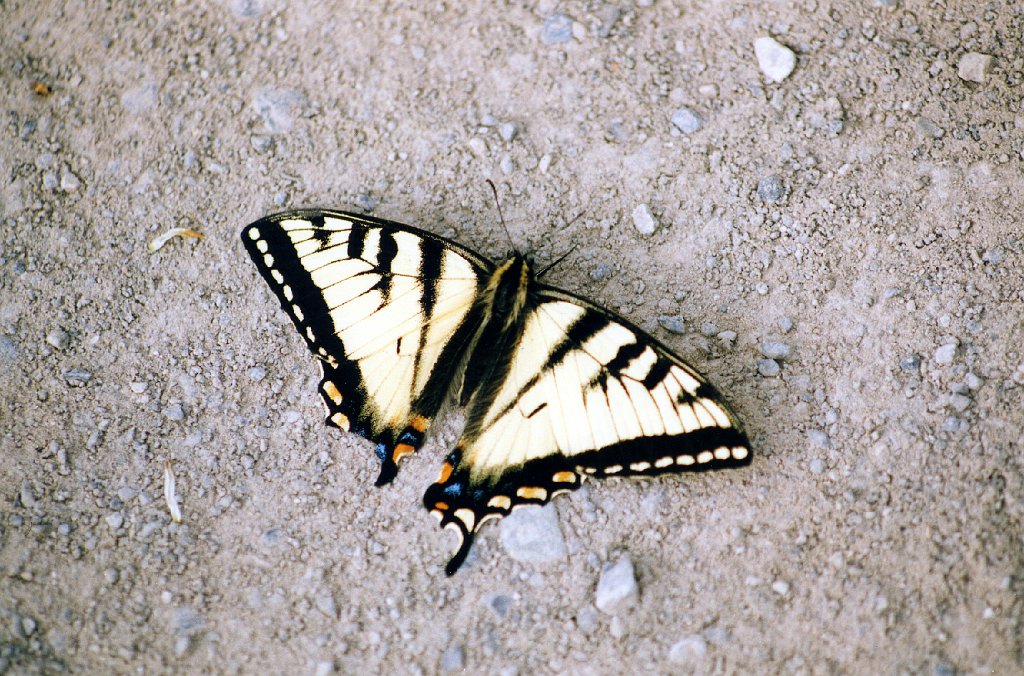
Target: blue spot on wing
[(381, 451)]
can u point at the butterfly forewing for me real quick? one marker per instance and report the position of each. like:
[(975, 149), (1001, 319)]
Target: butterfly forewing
[(377, 302)]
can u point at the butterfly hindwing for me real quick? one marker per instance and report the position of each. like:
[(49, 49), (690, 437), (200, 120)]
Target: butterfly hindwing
[(586, 394), (383, 306)]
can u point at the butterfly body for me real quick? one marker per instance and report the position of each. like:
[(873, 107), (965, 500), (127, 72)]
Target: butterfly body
[(556, 389)]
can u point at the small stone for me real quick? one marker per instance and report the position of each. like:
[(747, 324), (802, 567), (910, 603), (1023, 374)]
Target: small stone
[(139, 387), (771, 188), (780, 587), (944, 355), (586, 620), (59, 339), (275, 107), (46, 161), (50, 181), (819, 438), (972, 381), (366, 202), (727, 336), (687, 120), (174, 412), (557, 29), (775, 349), (531, 534), (910, 363), (325, 604), (506, 165), (708, 329), (643, 220), (111, 575), (785, 324), (77, 376), (141, 99), (261, 142), (115, 520), (928, 129), (689, 650), (126, 493), (68, 181), (500, 605), (775, 59), (28, 626), (816, 466), (673, 324), (769, 368), (993, 256), (974, 67), (960, 402), (453, 659), (617, 588), (601, 272), (8, 349), (256, 373), (507, 131), (324, 668)]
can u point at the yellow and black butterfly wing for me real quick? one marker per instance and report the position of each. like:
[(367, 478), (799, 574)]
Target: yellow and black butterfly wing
[(386, 308), (585, 394)]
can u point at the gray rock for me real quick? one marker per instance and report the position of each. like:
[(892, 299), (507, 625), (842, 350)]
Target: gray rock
[(928, 129), (59, 339), (816, 466), (141, 99), (275, 107), (453, 659), (617, 588), (531, 534), (672, 324), (174, 412), (601, 272), (819, 438), (256, 373), (77, 376), (8, 349), (775, 349), (910, 363), (115, 520), (786, 324), (68, 181), (507, 131), (690, 650), (769, 368), (771, 188), (780, 587), (557, 29), (687, 120)]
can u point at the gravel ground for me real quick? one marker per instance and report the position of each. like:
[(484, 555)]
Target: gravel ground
[(828, 226)]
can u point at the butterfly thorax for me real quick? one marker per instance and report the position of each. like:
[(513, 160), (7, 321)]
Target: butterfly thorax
[(507, 292)]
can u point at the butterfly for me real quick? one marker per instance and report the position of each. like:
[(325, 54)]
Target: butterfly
[(555, 388)]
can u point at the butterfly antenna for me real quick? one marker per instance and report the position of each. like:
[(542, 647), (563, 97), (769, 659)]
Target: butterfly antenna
[(557, 261), (501, 216)]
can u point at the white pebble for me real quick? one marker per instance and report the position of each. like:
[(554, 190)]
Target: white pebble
[(689, 650), (974, 67), (643, 220), (687, 120), (769, 368), (617, 588), (944, 355), (780, 587), (775, 59), (115, 520)]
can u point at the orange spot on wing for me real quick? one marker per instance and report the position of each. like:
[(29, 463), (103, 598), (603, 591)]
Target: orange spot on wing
[(402, 450), (442, 506), (331, 390), (341, 420), (446, 472), (564, 477), (532, 493), (419, 423)]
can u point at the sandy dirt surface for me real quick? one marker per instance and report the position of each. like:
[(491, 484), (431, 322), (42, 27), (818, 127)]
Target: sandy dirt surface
[(840, 252)]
